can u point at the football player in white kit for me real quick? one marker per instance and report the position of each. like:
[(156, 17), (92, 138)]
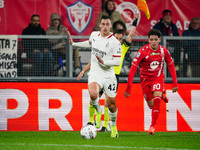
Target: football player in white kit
[(106, 53)]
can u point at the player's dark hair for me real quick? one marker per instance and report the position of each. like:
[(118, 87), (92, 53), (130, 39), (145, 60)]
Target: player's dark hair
[(154, 32), (105, 17), (118, 32), (34, 15)]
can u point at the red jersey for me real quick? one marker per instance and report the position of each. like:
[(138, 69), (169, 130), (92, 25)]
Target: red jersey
[(151, 62)]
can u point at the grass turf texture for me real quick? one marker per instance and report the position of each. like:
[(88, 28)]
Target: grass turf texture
[(72, 140)]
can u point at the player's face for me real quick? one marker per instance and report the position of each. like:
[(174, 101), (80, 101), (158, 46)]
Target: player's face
[(35, 21), (154, 41), (105, 26), (119, 37)]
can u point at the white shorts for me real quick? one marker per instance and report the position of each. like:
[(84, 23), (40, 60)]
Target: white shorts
[(109, 84)]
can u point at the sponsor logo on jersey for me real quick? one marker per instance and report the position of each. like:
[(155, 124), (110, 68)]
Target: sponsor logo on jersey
[(153, 53), (154, 64), (97, 52), (79, 15), (138, 55)]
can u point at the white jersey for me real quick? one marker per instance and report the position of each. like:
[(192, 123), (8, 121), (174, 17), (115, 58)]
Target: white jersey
[(109, 49)]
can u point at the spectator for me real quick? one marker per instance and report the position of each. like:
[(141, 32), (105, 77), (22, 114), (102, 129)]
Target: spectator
[(109, 11), (37, 49), (168, 28), (56, 28), (58, 45), (192, 48)]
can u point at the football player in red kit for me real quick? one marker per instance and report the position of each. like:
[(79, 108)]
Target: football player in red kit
[(150, 59)]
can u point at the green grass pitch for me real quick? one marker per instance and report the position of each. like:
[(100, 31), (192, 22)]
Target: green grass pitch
[(62, 140)]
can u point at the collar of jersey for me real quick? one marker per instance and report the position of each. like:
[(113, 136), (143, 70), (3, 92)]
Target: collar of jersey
[(106, 36)]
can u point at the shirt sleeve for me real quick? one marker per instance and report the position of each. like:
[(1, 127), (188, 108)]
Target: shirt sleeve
[(136, 62), (130, 78), (138, 58), (116, 57), (85, 44), (171, 67)]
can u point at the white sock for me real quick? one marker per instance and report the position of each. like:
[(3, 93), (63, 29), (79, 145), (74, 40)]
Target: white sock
[(96, 105), (113, 117)]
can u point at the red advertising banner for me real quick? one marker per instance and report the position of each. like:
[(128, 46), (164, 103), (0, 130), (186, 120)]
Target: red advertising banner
[(64, 106), (77, 15), (182, 12), (80, 15)]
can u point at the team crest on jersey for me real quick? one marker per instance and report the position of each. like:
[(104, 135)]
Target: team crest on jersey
[(107, 45), (154, 64), (79, 15)]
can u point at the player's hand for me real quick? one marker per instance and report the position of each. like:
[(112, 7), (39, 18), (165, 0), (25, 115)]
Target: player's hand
[(99, 59), (80, 76), (136, 15), (174, 89), (70, 38), (126, 94)]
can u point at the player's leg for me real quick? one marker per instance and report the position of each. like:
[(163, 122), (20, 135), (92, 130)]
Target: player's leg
[(110, 85), (94, 89), (157, 88), (164, 97), (91, 114), (154, 104), (106, 118), (106, 110), (92, 110), (113, 115)]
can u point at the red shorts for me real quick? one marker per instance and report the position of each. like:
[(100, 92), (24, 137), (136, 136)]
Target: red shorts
[(148, 87)]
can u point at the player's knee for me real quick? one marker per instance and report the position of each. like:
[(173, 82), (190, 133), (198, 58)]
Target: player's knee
[(157, 101), (93, 95), (111, 106)]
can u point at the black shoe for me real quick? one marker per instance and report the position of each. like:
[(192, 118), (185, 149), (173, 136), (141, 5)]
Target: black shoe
[(89, 123), (103, 129)]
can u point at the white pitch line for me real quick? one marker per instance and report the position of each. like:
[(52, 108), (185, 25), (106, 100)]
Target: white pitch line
[(97, 146)]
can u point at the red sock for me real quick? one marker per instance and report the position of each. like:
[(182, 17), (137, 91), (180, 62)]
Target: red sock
[(155, 111)]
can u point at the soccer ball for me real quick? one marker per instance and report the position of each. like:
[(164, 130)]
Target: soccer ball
[(88, 132)]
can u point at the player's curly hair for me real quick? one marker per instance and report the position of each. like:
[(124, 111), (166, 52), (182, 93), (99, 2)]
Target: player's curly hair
[(154, 32)]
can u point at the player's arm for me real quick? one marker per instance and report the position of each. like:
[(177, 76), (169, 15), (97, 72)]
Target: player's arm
[(84, 44), (116, 58), (85, 69), (136, 62), (171, 67), (131, 75), (133, 28)]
